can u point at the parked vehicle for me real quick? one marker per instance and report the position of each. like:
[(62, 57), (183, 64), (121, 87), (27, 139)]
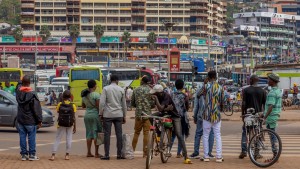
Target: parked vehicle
[(9, 110), (43, 90), (60, 81)]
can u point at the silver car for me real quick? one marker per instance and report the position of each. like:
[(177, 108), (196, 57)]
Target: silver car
[(9, 110)]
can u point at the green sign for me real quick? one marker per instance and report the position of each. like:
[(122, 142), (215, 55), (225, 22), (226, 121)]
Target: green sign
[(110, 39), (198, 42), (8, 39)]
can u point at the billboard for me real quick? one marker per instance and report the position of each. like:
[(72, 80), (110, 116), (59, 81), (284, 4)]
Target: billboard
[(199, 42), (29, 49), (8, 39), (277, 21), (174, 60), (86, 40), (138, 40), (31, 39)]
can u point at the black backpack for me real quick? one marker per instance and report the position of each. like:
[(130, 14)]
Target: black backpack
[(66, 117)]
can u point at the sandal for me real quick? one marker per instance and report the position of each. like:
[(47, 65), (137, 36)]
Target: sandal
[(52, 158), (90, 155), (67, 157), (187, 161)]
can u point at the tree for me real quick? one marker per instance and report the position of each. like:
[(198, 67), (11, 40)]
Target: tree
[(45, 33), (126, 39), (10, 11), (74, 33), (231, 9), (151, 38), (18, 35), (98, 32)]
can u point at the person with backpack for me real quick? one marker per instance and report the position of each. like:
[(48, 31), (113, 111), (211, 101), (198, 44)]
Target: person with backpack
[(90, 101), (29, 118), (181, 101), (66, 124)]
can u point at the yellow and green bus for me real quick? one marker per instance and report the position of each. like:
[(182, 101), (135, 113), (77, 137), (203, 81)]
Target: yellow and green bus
[(78, 78), (13, 75)]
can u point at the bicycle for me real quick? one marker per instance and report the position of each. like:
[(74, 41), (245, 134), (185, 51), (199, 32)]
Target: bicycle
[(159, 143), (228, 109), (258, 143)]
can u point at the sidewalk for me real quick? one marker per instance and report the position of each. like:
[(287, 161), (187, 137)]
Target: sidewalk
[(12, 161), (287, 115)]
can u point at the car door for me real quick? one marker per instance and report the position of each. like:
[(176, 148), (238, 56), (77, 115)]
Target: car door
[(7, 111)]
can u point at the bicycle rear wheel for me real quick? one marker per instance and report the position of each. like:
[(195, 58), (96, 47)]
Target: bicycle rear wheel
[(166, 142), (265, 148), (227, 111), (150, 149), (235, 107)]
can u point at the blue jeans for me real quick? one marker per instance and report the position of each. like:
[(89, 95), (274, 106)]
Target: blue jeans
[(273, 141), (199, 134), (244, 140), (30, 131), (179, 148)]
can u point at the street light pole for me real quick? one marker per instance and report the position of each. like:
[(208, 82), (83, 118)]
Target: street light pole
[(58, 51), (35, 62), (169, 26)]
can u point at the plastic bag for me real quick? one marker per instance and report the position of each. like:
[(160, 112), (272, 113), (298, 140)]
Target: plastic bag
[(127, 150)]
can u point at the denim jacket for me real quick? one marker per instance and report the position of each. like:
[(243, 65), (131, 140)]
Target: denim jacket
[(199, 104)]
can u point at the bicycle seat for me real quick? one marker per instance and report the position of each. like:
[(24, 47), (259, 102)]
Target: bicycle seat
[(251, 111)]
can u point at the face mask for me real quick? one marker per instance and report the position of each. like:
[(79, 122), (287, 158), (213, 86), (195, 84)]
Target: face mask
[(269, 88)]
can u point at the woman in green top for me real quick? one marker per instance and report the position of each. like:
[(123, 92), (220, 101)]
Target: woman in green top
[(90, 101)]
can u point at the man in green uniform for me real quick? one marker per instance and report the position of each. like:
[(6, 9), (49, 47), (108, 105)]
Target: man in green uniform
[(9, 88)]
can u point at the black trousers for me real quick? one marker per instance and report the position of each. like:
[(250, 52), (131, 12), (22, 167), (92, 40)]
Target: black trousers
[(107, 132)]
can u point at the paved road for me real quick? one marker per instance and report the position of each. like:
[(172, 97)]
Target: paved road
[(231, 134)]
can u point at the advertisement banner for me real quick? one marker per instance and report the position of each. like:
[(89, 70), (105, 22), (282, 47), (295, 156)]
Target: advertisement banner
[(174, 60), (53, 40), (8, 39), (249, 28), (30, 49), (110, 39), (199, 41), (31, 39), (277, 21), (165, 40)]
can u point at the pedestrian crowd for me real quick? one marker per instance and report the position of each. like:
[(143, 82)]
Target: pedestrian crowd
[(101, 111)]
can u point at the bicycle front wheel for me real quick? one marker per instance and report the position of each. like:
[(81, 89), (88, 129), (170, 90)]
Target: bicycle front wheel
[(228, 112), (165, 145), (265, 148), (150, 149)]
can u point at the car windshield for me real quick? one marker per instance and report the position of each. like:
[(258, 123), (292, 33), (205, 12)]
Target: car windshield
[(41, 89)]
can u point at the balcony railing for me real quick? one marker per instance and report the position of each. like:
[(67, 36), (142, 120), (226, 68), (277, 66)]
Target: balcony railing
[(27, 22), (27, 13), (137, 23), (73, 13), (138, 14), (73, 6), (27, 5)]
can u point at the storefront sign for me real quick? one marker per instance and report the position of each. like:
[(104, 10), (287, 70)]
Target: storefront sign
[(66, 39), (86, 40), (31, 39), (110, 39), (149, 53), (165, 40), (249, 28), (199, 42), (136, 40), (8, 39)]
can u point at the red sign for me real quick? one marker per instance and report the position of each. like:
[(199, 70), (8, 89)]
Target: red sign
[(30, 49), (31, 39), (174, 60)]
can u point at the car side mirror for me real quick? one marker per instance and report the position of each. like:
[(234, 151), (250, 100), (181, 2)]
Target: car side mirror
[(6, 101)]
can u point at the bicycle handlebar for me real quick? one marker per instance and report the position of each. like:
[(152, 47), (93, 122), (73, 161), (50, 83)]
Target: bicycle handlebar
[(153, 117)]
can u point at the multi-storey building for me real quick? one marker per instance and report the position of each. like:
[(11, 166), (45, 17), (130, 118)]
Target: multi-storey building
[(192, 17), (268, 33)]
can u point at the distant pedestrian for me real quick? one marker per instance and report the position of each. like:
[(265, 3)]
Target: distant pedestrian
[(90, 101), (214, 104), (66, 124), (113, 110), (273, 108), (9, 88), (143, 103), (129, 92), (29, 118)]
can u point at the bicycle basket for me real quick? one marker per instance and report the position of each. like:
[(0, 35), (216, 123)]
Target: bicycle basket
[(167, 123), (250, 120)]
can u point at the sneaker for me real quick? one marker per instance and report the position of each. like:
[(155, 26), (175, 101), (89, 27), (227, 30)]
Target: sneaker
[(24, 157), (243, 155), (179, 156), (33, 158), (210, 155), (206, 159), (194, 155), (219, 160)]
